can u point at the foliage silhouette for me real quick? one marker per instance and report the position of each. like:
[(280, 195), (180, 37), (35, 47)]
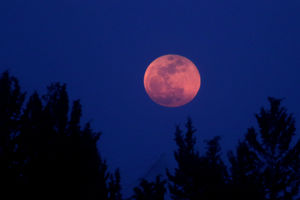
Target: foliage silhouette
[(148, 190), (115, 186), (11, 102), (266, 163), (197, 177), (44, 152)]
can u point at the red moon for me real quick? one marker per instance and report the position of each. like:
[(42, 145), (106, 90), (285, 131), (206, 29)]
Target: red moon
[(172, 80)]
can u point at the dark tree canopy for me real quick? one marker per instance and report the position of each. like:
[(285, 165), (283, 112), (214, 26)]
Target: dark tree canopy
[(267, 163), (115, 186), (196, 177), (11, 102), (148, 190), (44, 152)]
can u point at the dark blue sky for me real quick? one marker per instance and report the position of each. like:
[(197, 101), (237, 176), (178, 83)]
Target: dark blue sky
[(245, 51)]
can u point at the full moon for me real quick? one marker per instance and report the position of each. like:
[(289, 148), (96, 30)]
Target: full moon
[(172, 80)]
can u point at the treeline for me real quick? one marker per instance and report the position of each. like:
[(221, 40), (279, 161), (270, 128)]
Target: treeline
[(46, 153)]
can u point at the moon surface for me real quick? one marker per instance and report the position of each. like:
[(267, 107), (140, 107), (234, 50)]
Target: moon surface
[(172, 80)]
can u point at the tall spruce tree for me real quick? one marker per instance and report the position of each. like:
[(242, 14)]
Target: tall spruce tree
[(45, 153), (115, 186), (11, 101), (61, 159), (215, 175), (183, 185), (197, 177), (267, 163)]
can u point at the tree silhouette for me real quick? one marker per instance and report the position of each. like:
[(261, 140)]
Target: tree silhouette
[(148, 190), (267, 162), (115, 186), (246, 182), (215, 175), (11, 101), (59, 158), (44, 151), (183, 184), (197, 177)]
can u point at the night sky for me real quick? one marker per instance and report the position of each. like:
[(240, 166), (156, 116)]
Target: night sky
[(245, 51)]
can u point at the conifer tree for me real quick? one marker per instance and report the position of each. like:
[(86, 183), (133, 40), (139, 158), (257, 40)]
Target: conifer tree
[(268, 160), (183, 184), (197, 177), (11, 101), (44, 152), (115, 186)]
